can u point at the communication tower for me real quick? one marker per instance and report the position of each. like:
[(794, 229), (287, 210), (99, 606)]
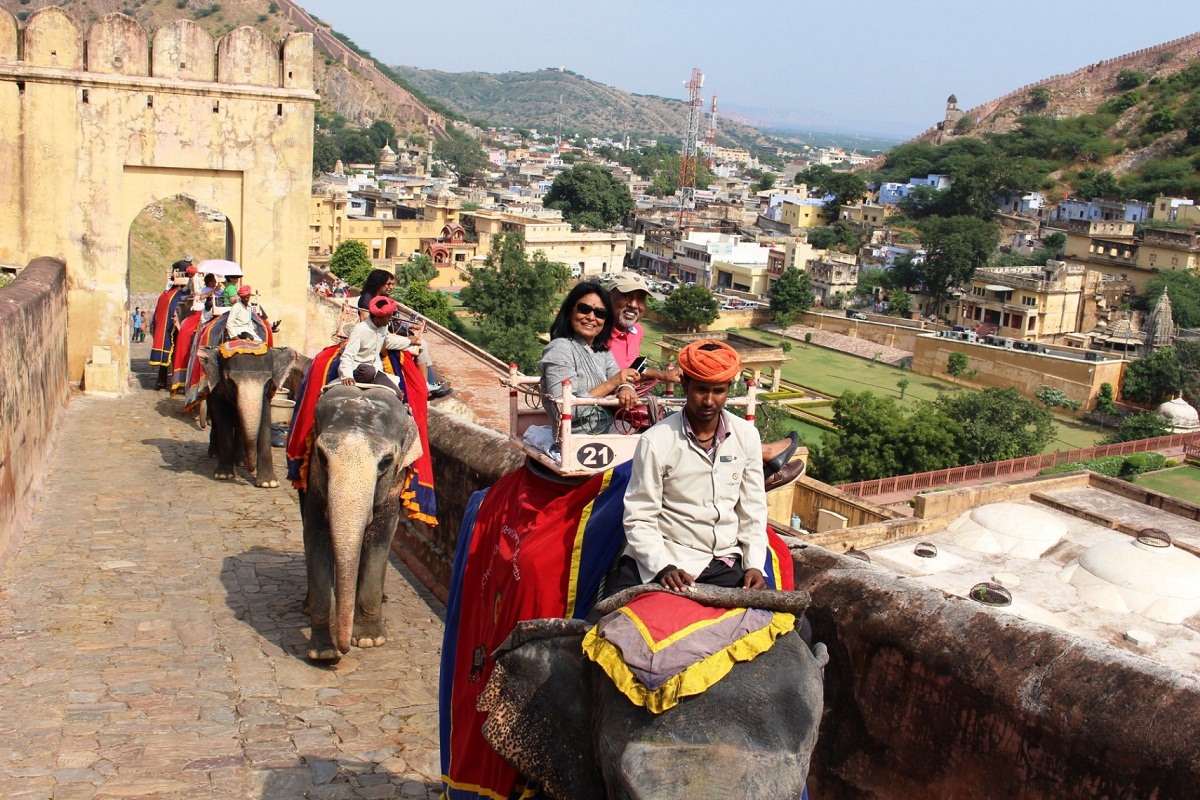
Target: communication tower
[(687, 160), (710, 140)]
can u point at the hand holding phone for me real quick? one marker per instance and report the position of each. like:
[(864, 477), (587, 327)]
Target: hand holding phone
[(639, 364)]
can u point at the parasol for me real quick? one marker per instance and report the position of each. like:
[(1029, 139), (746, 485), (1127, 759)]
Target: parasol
[(218, 266)]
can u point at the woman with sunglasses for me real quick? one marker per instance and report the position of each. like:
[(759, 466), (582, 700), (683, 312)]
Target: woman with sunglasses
[(578, 351)]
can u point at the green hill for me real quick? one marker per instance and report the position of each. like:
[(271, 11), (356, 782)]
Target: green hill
[(541, 99)]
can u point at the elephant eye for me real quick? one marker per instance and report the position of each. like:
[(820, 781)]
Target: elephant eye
[(386, 461)]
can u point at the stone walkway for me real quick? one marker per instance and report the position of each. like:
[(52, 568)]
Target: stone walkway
[(151, 643), (845, 344)]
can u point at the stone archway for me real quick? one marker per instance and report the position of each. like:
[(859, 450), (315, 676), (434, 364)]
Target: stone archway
[(93, 134)]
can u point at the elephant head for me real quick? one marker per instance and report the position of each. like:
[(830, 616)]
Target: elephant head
[(364, 441), (240, 390), (560, 720)]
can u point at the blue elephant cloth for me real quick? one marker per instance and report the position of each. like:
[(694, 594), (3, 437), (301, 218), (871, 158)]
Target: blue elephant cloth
[(529, 548), (162, 326)]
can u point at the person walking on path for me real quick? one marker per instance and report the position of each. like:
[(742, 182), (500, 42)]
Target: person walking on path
[(139, 334)]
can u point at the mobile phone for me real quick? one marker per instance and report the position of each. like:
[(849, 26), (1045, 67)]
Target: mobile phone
[(639, 364)]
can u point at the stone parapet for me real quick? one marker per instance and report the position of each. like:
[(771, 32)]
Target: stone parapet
[(33, 387)]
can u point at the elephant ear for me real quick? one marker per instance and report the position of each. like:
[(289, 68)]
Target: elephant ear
[(208, 358), (410, 441), (282, 361), (537, 702)]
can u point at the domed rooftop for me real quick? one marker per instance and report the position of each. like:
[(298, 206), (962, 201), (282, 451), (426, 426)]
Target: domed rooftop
[(1147, 576), (1183, 417), (1018, 530)]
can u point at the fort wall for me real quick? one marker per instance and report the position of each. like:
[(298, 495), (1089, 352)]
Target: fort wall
[(92, 135), (934, 696), (33, 387)]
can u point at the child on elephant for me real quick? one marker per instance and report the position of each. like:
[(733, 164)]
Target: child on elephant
[(361, 361)]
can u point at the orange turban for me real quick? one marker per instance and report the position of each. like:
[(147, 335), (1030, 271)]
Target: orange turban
[(720, 363)]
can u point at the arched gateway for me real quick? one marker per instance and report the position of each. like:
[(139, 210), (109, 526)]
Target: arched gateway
[(92, 134)]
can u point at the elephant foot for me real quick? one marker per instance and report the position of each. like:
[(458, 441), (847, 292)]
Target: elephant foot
[(223, 476), (369, 634), (330, 654), (268, 484)]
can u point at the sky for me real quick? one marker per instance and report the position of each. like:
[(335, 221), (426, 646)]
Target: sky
[(876, 67)]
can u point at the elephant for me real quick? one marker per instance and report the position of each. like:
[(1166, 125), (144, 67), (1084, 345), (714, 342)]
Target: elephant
[(240, 388), (364, 441), (561, 721)]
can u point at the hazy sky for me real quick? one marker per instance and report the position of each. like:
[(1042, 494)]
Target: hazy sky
[(881, 66)]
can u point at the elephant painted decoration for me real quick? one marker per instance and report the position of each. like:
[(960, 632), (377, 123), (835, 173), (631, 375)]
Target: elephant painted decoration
[(240, 387), (364, 440), (559, 719)]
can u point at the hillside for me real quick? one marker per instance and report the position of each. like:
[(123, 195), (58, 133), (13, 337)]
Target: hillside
[(1126, 127), (361, 94), (538, 99)]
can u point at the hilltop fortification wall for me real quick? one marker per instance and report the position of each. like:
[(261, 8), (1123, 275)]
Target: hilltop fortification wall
[(1072, 93), (408, 110), (91, 135), (33, 387)]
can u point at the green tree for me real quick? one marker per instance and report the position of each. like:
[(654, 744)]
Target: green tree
[(1130, 79), (516, 297), (765, 183), (847, 188), (434, 305), (381, 132), (956, 365), (954, 248), (325, 153), (1153, 379), (791, 295), (1092, 184), (666, 178), (822, 238), (418, 271), (876, 438), (1052, 397), (356, 147), (1055, 242), (901, 303), (1104, 400), (461, 153), (1182, 287), (590, 195), (1039, 97), (691, 306), (996, 424), (350, 262), (902, 385), (1142, 425)]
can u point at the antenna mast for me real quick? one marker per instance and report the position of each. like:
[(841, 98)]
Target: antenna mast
[(687, 160), (710, 141)]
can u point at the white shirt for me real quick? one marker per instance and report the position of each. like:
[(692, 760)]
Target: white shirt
[(240, 321), (364, 345), (685, 506)]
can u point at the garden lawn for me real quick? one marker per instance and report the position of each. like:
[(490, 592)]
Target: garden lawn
[(1182, 482)]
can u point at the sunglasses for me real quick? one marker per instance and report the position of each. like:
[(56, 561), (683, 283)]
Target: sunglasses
[(583, 309)]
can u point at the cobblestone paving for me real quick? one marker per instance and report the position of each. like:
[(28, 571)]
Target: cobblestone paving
[(151, 643)]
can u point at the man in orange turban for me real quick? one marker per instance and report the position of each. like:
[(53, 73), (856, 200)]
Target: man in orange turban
[(696, 507)]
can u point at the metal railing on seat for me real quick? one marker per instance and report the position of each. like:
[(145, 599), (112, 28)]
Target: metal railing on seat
[(581, 453)]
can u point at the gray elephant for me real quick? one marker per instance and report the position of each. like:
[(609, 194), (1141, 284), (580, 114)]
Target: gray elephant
[(364, 441), (560, 720), (240, 388)]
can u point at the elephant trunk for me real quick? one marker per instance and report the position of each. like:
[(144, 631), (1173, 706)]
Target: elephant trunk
[(351, 493), (251, 396)]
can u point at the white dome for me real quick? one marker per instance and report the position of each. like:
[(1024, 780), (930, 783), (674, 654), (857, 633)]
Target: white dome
[(1181, 415), (1156, 580), (1018, 530)]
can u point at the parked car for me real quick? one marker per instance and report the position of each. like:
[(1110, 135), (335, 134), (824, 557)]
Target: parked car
[(852, 314)]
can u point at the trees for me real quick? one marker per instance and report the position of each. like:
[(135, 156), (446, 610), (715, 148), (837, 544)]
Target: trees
[(1051, 397), (765, 183), (901, 303), (356, 147), (1039, 97), (434, 305), (1092, 184), (954, 248), (325, 153), (956, 365), (1130, 79), (997, 424), (516, 297), (589, 195), (691, 306), (666, 178), (792, 294), (460, 153), (877, 438), (1153, 379), (350, 262), (419, 271), (1142, 425), (1183, 287), (381, 132)]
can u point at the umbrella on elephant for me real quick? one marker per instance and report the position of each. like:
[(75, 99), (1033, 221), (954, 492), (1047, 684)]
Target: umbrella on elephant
[(218, 266)]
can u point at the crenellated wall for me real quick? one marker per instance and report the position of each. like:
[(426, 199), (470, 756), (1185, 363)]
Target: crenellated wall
[(89, 136), (33, 387)]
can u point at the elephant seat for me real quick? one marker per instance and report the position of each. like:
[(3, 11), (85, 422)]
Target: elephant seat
[(574, 454), (658, 646)]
